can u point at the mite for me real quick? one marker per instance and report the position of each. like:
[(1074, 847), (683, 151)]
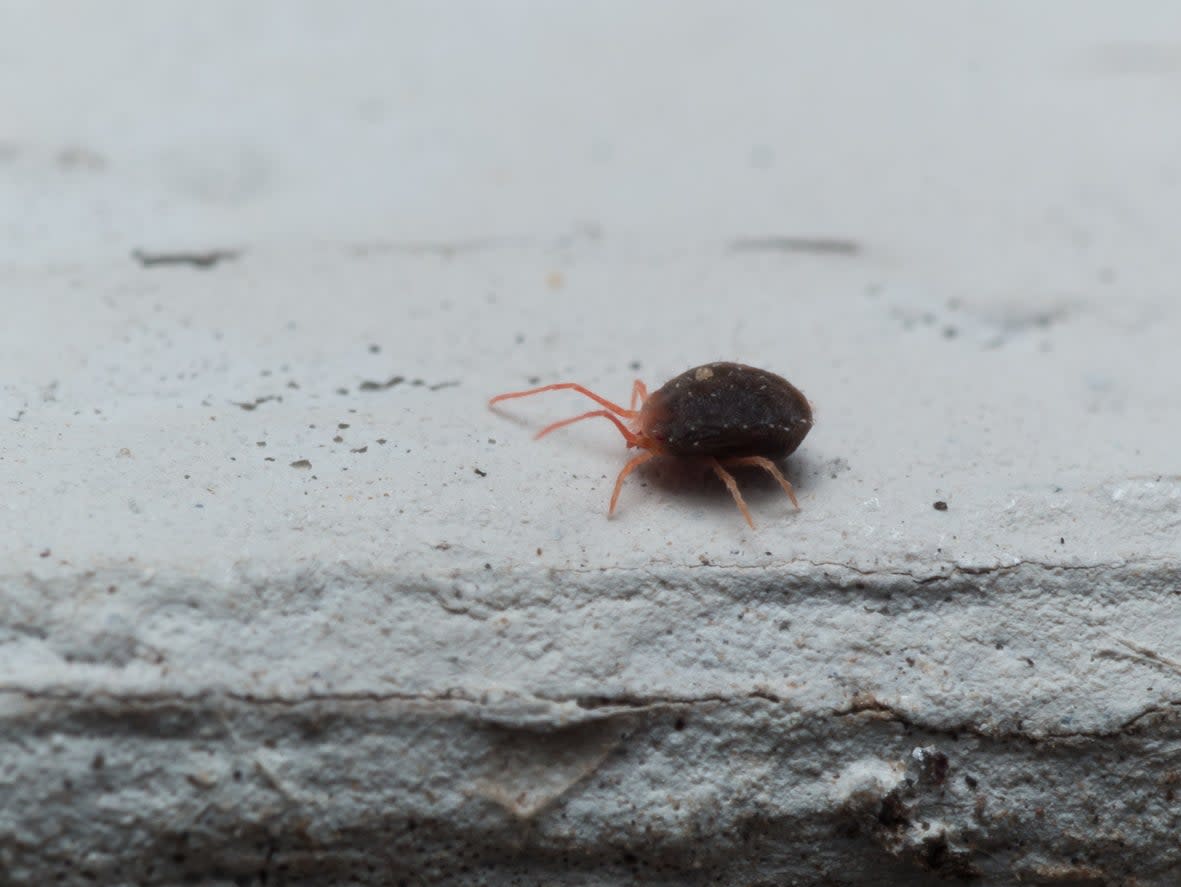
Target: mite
[(726, 415)]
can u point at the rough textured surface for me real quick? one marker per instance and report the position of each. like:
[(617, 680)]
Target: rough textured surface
[(281, 602)]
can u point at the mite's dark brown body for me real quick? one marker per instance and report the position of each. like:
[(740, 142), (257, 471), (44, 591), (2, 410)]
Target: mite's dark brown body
[(727, 415), (724, 410)]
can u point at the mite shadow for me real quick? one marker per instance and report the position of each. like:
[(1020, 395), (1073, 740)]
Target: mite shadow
[(694, 484)]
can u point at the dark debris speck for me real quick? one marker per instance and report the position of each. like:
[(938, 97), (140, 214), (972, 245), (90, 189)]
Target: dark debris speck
[(206, 259), (249, 405), (940, 505), (370, 385)]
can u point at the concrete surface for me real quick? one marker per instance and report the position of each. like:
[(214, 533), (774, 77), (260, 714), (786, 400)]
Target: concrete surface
[(282, 602)]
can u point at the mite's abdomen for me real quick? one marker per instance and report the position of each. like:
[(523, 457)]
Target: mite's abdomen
[(727, 409)]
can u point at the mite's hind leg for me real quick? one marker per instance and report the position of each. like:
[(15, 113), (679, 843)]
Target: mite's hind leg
[(639, 393), (732, 486), (627, 469), (771, 468)]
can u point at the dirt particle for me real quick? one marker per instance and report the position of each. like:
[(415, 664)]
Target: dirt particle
[(360, 450), (338, 439), (940, 505), (830, 246), (77, 157), (370, 385), (479, 472), (301, 463), (970, 781), (893, 813), (250, 405), (935, 766), (260, 443), (342, 425), (203, 260), (375, 349), (45, 553)]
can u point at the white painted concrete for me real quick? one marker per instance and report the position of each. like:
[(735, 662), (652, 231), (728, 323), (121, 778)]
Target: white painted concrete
[(426, 654)]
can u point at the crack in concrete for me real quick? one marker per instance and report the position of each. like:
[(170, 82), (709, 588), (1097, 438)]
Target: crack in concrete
[(517, 709), (873, 705), (950, 572)]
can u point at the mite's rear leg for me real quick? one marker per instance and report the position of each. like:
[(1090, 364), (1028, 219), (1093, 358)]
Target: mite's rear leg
[(627, 469), (732, 486), (606, 414), (771, 468), (569, 386)]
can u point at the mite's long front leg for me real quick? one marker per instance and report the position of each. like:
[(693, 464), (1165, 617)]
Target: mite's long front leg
[(606, 414), (568, 386)]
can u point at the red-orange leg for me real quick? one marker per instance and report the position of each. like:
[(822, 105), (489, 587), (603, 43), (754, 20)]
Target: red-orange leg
[(606, 414), (627, 469), (571, 386), (639, 393), (771, 468), (732, 486)]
